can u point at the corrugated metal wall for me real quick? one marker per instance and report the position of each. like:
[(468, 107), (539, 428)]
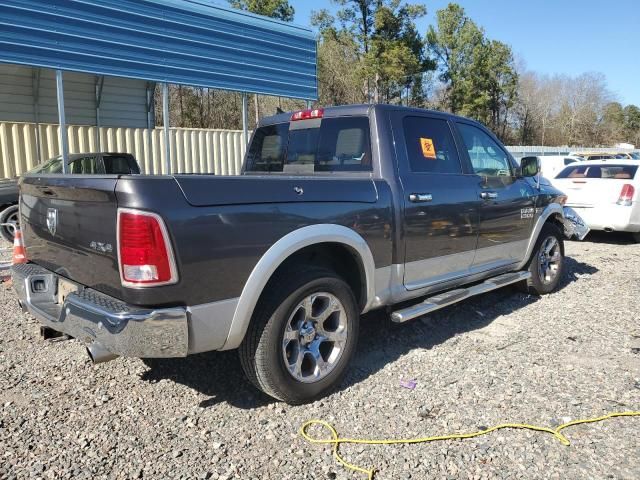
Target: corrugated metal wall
[(176, 41), (123, 104), (192, 150)]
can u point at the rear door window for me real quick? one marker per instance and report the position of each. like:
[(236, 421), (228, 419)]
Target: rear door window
[(337, 145), (430, 146)]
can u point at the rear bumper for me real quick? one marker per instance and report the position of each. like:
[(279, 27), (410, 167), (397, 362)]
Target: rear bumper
[(618, 218), (93, 317)]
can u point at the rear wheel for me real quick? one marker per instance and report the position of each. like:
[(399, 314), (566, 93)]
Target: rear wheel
[(302, 335), (9, 215), (547, 262)]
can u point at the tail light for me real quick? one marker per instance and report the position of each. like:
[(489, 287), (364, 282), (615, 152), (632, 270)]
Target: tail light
[(626, 195), (307, 114), (144, 250)]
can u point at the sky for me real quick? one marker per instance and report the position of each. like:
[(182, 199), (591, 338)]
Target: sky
[(562, 36)]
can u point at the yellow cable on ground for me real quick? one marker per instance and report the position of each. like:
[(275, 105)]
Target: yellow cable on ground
[(336, 440)]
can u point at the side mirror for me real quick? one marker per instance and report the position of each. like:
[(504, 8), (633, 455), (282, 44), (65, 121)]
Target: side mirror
[(529, 166)]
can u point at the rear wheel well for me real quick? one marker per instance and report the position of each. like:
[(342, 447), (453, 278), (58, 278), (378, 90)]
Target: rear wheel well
[(338, 257)]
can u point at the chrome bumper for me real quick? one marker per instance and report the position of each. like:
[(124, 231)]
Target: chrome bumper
[(574, 226), (92, 317)]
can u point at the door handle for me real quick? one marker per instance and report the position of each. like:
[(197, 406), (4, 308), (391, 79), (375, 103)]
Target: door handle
[(420, 197), (489, 195)]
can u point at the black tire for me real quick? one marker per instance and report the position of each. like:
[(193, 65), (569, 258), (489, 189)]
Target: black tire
[(539, 283), (263, 353), (636, 237), (8, 215)]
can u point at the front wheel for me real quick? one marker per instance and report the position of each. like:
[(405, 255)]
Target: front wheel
[(547, 262), (302, 335)]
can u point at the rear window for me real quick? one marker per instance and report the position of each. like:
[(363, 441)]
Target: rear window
[(620, 172), (599, 157), (83, 166), (336, 145)]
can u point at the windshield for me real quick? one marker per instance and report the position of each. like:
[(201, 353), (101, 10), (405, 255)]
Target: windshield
[(53, 165)]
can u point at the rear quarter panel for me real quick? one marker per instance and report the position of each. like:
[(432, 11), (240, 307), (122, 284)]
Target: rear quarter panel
[(217, 246)]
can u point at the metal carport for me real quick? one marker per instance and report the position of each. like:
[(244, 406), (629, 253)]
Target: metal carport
[(188, 42)]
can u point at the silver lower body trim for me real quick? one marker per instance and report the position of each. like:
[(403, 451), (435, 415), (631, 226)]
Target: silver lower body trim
[(209, 325), (390, 288)]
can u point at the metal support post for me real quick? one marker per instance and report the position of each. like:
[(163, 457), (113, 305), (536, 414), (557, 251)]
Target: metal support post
[(245, 119), (64, 143), (165, 122)]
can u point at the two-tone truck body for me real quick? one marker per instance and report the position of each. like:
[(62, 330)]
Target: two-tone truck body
[(337, 212)]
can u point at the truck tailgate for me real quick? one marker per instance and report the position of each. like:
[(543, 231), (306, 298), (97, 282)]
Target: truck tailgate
[(69, 227)]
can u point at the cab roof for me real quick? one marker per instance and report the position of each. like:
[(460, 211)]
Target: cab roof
[(359, 110)]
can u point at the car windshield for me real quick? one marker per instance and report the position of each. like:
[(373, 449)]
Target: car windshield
[(53, 165), (635, 155)]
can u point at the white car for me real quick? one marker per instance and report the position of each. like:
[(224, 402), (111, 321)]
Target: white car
[(604, 194), (551, 165)]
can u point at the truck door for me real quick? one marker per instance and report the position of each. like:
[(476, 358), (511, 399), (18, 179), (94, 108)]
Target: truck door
[(440, 218), (508, 201)]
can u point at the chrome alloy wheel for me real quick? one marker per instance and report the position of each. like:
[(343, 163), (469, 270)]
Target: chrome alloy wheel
[(549, 260), (315, 337)]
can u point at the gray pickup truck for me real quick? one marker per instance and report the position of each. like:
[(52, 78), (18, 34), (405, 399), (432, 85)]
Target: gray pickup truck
[(337, 212)]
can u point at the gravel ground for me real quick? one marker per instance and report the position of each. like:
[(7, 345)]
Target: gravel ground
[(501, 357)]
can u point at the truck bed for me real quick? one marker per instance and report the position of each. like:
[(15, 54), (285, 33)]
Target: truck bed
[(212, 224)]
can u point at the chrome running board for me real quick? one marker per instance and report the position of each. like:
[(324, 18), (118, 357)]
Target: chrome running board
[(445, 299)]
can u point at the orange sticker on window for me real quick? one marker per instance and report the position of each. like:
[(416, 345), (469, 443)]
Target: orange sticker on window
[(428, 150)]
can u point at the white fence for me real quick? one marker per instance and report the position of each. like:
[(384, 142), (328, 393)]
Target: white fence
[(192, 150)]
